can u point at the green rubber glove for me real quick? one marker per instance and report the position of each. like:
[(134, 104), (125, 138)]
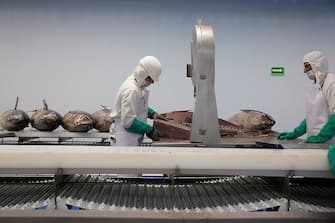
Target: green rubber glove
[(331, 158), (297, 132), (151, 113), (327, 132), (155, 115), (139, 127)]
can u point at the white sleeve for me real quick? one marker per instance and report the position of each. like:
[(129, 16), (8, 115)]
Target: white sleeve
[(128, 107), (329, 91)]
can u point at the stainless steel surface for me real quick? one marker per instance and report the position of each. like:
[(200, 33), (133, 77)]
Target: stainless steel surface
[(56, 134), (33, 136), (205, 126), (28, 196)]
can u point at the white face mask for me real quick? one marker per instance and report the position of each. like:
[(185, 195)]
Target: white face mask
[(147, 83), (310, 75)]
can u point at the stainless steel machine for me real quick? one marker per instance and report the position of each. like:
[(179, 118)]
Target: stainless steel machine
[(76, 177), (205, 127)]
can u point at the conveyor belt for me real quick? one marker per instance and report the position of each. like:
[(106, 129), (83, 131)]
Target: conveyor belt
[(229, 194)]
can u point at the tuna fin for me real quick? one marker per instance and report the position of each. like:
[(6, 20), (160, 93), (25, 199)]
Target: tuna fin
[(252, 110), (183, 111)]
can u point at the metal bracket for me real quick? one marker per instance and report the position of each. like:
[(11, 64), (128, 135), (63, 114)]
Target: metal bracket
[(59, 178), (287, 188)]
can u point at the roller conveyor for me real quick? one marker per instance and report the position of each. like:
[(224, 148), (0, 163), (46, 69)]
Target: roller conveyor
[(207, 180), (218, 198), (227, 194)]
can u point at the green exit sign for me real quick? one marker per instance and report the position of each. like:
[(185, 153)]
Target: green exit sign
[(277, 71)]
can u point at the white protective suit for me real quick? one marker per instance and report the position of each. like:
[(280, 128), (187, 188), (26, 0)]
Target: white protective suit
[(132, 101), (319, 98)]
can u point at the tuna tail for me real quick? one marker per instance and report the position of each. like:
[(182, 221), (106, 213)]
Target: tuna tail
[(251, 110)]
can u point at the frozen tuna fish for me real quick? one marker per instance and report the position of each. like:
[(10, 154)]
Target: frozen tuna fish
[(46, 119), (102, 120), (253, 121), (77, 121), (14, 119), (180, 122)]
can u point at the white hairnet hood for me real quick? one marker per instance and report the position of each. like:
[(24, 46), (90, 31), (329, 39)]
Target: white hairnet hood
[(319, 65), (147, 66)]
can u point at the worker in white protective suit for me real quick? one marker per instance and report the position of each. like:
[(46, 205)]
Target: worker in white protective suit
[(319, 122), (131, 107)]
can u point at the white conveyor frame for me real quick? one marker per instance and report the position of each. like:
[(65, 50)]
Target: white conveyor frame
[(169, 160)]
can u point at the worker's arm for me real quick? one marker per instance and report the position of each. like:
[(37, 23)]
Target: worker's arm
[(331, 158), (128, 114), (152, 114), (297, 132), (328, 130), (139, 127), (142, 128)]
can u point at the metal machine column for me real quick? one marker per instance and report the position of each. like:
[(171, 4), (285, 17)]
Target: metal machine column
[(205, 127)]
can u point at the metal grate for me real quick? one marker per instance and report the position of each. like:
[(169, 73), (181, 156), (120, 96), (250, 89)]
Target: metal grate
[(105, 192)]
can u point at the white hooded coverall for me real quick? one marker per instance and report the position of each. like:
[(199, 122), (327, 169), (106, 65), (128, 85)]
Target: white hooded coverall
[(132, 101), (319, 98)]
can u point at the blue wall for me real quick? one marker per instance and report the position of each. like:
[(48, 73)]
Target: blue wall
[(75, 54)]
